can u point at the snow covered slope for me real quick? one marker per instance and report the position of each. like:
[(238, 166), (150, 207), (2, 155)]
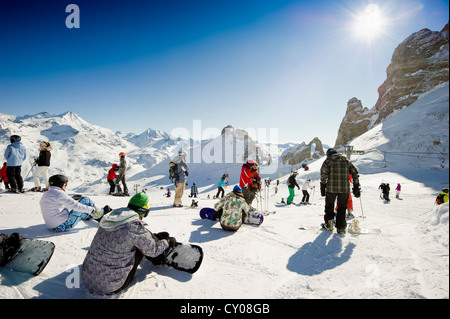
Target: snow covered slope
[(405, 254)]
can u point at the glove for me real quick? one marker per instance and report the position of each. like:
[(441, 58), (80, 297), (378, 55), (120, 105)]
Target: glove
[(97, 213), (106, 209), (323, 189), (186, 173), (162, 235), (356, 190)]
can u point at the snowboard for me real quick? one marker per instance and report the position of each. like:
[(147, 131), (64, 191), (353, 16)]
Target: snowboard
[(183, 257), (208, 213), (31, 257), (253, 217)]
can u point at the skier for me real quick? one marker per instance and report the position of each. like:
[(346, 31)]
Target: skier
[(349, 203), (249, 181), (43, 163), (305, 188), (291, 184), (385, 188), (111, 178), (119, 245), (335, 184), (60, 211), (121, 177), (223, 182), (398, 189), (3, 177), (15, 155), (442, 197), (181, 177), (232, 209)]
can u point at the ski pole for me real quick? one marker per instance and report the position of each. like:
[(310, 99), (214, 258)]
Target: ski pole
[(29, 172), (362, 211)]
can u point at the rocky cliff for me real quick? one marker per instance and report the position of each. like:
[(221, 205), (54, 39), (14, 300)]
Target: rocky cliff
[(418, 64)]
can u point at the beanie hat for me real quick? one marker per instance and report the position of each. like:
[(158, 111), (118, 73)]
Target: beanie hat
[(140, 204), (331, 151), (237, 188)]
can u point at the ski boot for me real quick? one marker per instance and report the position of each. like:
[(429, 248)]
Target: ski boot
[(328, 225)]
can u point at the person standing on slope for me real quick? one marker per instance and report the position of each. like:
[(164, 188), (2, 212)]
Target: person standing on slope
[(15, 155), (335, 185), (43, 163), (121, 177), (291, 184), (249, 181), (111, 178), (181, 177)]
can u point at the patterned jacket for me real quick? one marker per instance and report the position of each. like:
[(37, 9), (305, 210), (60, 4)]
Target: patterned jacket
[(112, 253), (234, 207), (335, 172)]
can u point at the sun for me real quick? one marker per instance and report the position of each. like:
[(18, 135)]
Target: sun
[(369, 24)]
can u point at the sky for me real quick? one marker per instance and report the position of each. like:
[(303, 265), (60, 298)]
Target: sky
[(284, 69)]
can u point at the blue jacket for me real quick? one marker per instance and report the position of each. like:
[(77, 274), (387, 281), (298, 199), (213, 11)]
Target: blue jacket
[(15, 154)]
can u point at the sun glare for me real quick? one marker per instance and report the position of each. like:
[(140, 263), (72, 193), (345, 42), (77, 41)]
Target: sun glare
[(369, 23)]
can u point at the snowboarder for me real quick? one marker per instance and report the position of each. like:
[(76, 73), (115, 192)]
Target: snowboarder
[(181, 177), (250, 181), (194, 190), (60, 211), (111, 178), (335, 184), (291, 184), (118, 247), (398, 190), (15, 155), (442, 197), (3, 177), (121, 177), (42, 163), (232, 209), (222, 183), (305, 188), (168, 193)]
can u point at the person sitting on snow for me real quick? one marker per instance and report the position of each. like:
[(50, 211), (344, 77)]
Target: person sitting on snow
[(232, 209), (442, 197), (119, 245), (60, 211)]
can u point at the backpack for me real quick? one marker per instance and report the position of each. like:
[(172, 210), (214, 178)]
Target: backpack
[(440, 199), (173, 171)]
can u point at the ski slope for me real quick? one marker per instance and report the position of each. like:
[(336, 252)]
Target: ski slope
[(404, 255)]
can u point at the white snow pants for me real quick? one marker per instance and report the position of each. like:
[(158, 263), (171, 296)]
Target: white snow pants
[(41, 170)]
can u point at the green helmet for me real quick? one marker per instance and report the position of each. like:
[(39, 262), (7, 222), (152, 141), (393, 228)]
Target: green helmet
[(140, 204)]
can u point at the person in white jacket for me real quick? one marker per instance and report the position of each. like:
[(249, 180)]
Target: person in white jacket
[(60, 211), (305, 190)]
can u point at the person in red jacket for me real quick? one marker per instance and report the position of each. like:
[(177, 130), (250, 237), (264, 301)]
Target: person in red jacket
[(250, 181), (3, 176), (112, 178)]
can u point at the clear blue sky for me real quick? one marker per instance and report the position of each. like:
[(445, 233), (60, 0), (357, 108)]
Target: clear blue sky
[(161, 64)]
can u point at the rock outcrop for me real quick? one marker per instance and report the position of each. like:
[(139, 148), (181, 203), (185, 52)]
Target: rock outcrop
[(419, 63)]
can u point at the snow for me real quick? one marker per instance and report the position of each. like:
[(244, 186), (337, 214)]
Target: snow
[(404, 255)]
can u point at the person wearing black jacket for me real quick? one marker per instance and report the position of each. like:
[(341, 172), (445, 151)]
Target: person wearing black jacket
[(291, 184), (42, 163)]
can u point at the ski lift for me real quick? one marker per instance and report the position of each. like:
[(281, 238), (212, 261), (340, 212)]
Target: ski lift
[(384, 163)]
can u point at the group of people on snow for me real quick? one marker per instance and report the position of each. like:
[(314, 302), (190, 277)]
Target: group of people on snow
[(122, 240)]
